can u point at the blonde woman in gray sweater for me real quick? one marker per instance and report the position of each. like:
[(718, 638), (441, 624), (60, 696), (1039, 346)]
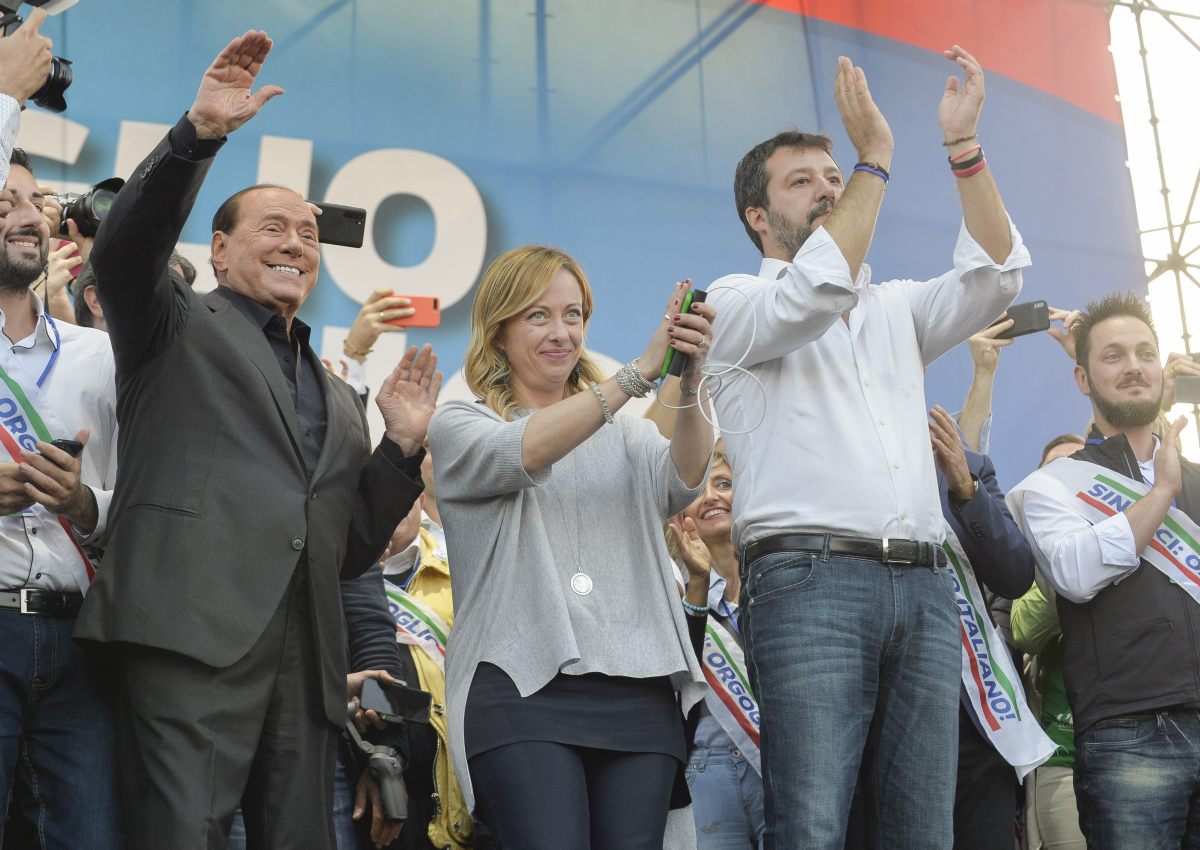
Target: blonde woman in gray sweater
[(569, 663)]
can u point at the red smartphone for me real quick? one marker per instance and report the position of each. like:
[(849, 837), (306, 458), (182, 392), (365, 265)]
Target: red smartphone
[(428, 315)]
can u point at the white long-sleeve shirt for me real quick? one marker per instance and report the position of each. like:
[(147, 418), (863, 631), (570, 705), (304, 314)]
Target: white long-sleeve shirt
[(10, 124), (1077, 558), (79, 391), (844, 444)]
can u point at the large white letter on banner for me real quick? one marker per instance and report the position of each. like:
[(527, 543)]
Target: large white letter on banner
[(460, 225)]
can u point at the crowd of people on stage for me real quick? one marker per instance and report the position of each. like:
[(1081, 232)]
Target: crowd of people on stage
[(211, 572)]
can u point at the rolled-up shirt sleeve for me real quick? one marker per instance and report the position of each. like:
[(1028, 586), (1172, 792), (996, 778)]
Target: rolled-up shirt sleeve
[(10, 124), (1077, 558), (963, 302)]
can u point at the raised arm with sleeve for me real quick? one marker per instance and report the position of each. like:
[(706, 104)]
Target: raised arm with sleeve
[(10, 125), (144, 305)]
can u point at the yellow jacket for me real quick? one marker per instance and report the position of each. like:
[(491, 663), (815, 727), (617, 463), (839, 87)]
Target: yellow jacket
[(430, 585)]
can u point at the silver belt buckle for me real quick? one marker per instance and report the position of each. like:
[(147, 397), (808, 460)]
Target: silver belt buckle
[(25, 591), (887, 555)]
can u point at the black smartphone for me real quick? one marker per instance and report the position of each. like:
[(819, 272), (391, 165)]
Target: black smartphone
[(1028, 318), (394, 702), (339, 225), (71, 447)]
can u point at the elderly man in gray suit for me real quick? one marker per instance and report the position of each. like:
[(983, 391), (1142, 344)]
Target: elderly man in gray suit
[(247, 490)]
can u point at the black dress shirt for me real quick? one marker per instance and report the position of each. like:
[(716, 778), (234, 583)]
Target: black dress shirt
[(299, 366)]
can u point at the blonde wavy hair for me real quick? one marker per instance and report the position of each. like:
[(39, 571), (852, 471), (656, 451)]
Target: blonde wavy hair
[(511, 284)]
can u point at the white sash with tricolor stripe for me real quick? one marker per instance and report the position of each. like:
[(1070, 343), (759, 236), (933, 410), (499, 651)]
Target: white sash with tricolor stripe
[(418, 625), (992, 684), (729, 698)]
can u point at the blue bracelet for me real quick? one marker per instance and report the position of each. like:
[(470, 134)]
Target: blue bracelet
[(695, 610), (874, 168)]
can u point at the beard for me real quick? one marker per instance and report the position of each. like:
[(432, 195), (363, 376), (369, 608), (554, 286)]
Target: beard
[(1125, 414), (791, 235), (18, 273)]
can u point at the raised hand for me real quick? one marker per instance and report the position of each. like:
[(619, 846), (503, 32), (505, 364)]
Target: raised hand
[(224, 101), (962, 102), (1064, 336), (985, 347), (650, 363), (1168, 474), (865, 125), (408, 397), (25, 59), (381, 307), (1177, 364), (691, 548)]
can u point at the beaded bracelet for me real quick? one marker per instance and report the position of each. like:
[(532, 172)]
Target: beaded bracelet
[(959, 140), (632, 383), (608, 417), (695, 610)]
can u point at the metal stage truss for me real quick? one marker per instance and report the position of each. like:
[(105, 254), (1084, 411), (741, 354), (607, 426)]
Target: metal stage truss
[(1156, 46)]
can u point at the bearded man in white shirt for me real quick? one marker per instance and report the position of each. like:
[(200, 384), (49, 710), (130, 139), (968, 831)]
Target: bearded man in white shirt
[(57, 736), (1113, 529), (851, 627)]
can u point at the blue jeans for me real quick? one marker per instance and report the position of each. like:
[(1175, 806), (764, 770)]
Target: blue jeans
[(727, 793), (1137, 781), (349, 834), (854, 661), (57, 738)]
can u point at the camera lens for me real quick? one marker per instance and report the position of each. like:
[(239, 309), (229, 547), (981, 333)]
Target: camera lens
[(50, 95)]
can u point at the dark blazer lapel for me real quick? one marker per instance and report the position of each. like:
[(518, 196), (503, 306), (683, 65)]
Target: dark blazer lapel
[(251, 342), (339, 415)]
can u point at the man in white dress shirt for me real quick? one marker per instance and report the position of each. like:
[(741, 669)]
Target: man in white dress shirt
[(850, 625), (1131, 625), (57, 737)]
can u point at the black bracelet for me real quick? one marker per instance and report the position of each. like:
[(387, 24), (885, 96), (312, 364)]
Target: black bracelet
[(970, 162), (874, 168), (959, 140)]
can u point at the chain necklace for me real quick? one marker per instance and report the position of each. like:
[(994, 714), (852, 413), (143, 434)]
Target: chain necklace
[(581, 582)]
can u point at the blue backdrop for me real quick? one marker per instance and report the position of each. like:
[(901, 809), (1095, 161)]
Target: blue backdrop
[(608, 129)]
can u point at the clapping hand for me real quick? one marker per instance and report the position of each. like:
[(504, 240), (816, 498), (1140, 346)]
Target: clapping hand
[(962, 102), (408, 397), (865, 125), (949, 454), (691, 548)]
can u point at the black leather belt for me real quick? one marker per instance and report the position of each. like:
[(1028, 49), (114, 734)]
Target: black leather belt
[(49, 603), (917, 553)]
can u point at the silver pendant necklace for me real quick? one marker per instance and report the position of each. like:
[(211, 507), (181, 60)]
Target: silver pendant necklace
[(581, 582)]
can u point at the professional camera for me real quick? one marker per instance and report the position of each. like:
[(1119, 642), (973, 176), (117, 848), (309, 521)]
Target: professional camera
[(51, 95), (90, 208)]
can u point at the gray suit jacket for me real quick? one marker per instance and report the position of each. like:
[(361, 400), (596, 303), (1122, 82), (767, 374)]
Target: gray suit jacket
[(213, 508)]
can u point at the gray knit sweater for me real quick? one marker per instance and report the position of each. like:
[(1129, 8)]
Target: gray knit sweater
[(515, 539)]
